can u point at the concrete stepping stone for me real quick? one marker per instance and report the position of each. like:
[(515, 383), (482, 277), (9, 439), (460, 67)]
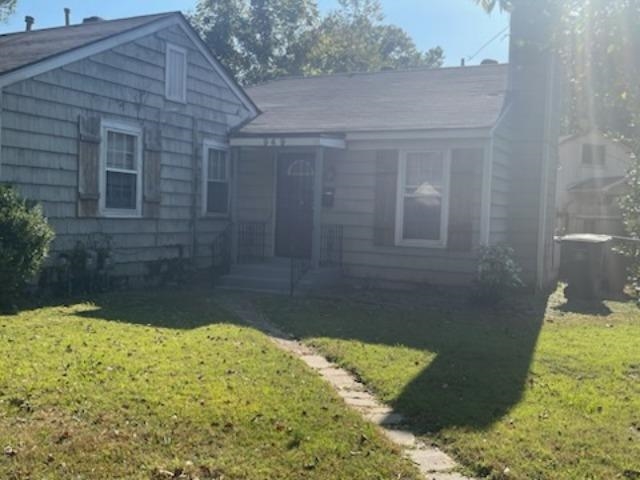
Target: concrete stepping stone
[(401, 437), (317, 362), (431, 460), (385, 419)]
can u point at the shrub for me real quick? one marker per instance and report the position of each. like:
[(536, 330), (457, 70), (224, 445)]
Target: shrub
[(25, 236), (630, 210), (497, 274)]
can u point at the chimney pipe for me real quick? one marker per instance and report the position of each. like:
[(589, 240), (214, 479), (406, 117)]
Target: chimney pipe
[(67, 20), (29, 21), (462, 62)]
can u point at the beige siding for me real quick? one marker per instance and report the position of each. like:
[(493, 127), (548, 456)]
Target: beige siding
[(40, 138)]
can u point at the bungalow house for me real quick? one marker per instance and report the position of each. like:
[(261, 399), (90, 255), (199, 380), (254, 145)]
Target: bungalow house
[(132, 128), (592, 174)]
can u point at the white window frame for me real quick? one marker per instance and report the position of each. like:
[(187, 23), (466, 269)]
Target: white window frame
[(219, 146), (127, 129), (182, 98), (400, 195)]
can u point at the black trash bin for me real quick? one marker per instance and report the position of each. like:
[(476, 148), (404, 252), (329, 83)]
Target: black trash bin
[(583, 264)]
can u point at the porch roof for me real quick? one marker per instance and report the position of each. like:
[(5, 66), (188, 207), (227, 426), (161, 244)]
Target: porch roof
[(418, 99)]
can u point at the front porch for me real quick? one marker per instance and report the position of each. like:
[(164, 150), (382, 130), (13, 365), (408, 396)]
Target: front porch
[(279, 240)]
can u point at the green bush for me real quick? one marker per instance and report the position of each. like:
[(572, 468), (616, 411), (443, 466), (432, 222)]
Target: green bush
[(25, 236), (630, 209), (497, 274)]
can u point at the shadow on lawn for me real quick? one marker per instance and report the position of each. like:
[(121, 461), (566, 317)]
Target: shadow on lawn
[(482, 358), (178, 308)]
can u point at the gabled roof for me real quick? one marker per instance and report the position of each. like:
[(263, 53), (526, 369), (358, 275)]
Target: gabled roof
[(25, 54), (20, 49), (418, 99)]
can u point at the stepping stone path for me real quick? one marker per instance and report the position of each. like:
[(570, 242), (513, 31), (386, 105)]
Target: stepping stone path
[(432, 463)]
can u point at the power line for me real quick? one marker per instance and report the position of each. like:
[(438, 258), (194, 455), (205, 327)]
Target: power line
[(488, 43)]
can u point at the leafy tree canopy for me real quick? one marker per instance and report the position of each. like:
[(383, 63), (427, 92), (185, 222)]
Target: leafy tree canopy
[(262, 39), (7, 7), (599, 42)]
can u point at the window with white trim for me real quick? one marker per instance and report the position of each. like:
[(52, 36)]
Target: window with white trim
[(121, 170), (423, 197), (216, 180), (176, 73)]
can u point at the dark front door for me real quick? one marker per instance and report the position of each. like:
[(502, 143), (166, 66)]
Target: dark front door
[(294, 205)]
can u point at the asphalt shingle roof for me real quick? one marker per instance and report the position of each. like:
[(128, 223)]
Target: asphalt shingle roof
[(420, 99), (20, 49)]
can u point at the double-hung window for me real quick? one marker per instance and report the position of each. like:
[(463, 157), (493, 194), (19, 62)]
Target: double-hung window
[(121, 170), (216, 176), (593, 154), (176, 73), (423, 199)]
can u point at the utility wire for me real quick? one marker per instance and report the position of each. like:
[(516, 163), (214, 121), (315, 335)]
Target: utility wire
[(493, 39)]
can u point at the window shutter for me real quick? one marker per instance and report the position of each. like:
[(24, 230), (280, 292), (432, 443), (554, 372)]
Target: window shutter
[(88, 165), (385, 197), (151, 172), (465, 168)]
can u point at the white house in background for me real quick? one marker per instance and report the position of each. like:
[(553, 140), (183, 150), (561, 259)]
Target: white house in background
[(591, 178)]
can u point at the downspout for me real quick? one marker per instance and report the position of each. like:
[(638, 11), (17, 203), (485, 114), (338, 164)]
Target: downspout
[(544, 183)]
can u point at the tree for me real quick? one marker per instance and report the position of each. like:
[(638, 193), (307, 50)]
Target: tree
[(354, 38), (7, 7), (257, 39), (263, 39), (599, 43)]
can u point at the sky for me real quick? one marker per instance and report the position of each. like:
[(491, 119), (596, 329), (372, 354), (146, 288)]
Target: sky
[(460, 27)]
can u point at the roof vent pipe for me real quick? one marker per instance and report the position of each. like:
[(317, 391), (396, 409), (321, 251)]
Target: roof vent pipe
[(462, 62), (67, 19), (93, 19), (29, 21)]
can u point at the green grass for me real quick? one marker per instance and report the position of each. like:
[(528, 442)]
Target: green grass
[(137, 385), (546, 395)]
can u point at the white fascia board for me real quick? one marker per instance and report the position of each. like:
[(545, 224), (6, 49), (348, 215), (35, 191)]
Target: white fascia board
[(284, 141)]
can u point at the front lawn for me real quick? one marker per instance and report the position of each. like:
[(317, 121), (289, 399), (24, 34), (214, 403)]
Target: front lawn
[(523, 394), (168, 385)]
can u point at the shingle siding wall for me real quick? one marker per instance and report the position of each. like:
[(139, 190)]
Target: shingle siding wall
[(500, 185), (255, 187), (354, 209), (40, 141), (354, 203)]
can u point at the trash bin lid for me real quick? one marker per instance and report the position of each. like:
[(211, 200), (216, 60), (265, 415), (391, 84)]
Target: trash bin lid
[(586, 238)]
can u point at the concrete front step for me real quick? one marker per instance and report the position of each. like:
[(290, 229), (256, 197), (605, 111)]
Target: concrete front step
[(273, 276), (266, 284)]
